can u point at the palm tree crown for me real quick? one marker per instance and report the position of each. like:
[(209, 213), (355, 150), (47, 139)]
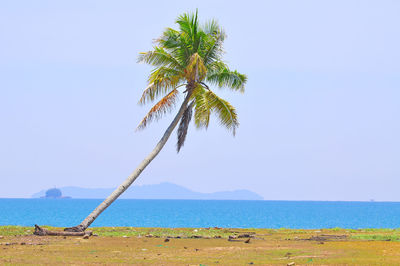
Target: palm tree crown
[(190, 57)]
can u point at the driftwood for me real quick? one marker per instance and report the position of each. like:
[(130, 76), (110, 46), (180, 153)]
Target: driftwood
[(326, 238), (78, 228), (39, 231)]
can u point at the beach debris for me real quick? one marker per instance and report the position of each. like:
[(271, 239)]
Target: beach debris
[(234, 240), (185, 247), (196, 249), (251, 263), (86, 237), (39, 231), (245, 236), (247, 241), (125, 236), (149, 235), (1, 237), (195, 230), (166, 240), (291, 263), (322, 238), (195, 236)]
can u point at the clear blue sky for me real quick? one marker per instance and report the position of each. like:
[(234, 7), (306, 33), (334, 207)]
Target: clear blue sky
[(320, 119)]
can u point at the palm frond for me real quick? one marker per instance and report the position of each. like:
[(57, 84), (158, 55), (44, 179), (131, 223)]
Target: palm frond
[(212, 44), (206, 102), (183, 126), (219, 74), (188, 23), (161, 81), (185, 23), (169, 39), (160, 57), (177, 44), (164, 106), (226, 112), (211, 27), (191, 32), (202, 108)]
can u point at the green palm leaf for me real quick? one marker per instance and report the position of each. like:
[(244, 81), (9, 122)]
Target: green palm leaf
[(220, 75), (208, 102), (160, 57)]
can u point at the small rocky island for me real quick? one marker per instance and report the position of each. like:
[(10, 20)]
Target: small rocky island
[(54, 193)]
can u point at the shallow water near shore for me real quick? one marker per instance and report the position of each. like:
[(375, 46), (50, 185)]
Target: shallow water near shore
[(203, 213)]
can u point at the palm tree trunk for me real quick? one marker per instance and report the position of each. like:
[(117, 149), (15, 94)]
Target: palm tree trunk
[(124, 186)]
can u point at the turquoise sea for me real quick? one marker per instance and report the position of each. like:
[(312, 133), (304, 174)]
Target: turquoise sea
[(203, 213)]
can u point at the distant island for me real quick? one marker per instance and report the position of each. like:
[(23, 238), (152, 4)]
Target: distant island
[(158, 191), (54, 193)]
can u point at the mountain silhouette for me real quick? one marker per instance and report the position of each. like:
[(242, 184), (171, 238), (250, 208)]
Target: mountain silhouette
[(158, 191)]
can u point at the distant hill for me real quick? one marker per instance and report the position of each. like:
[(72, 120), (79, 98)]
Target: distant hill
[(159, 191), (54, 193)]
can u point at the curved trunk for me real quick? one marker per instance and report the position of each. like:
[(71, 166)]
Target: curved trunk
[(132, 177)]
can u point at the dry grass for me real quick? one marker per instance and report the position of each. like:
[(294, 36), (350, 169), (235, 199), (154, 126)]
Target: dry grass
[(147, 246)]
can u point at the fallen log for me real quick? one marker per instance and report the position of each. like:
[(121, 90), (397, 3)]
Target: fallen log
[(39, 231)]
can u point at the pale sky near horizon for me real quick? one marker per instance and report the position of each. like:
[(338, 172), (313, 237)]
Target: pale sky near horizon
[(320, 118)]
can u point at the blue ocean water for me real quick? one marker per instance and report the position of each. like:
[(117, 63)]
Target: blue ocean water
[(203, 213)]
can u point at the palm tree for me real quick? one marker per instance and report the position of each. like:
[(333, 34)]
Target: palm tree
[(187, 59)]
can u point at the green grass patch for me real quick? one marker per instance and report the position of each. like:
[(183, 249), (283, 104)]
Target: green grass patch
[(376, 237), (11, 230), (164, 232)]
